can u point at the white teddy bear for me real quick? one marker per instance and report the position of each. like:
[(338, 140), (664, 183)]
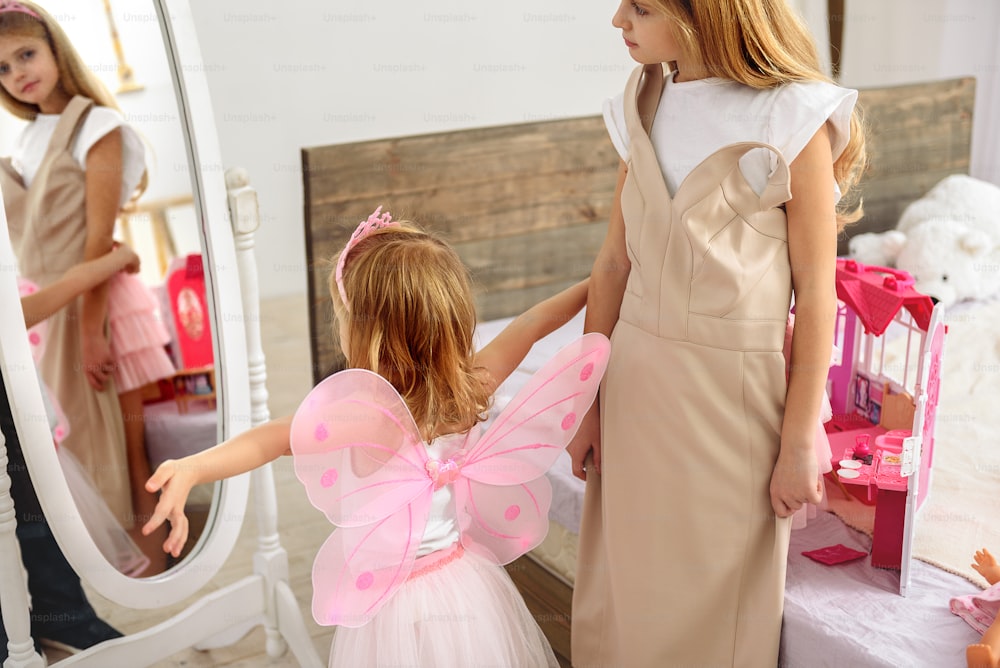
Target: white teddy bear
[(949, 240)]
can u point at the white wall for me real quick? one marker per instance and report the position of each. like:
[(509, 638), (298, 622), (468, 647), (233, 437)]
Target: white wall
[(905, 41), (309, 72)]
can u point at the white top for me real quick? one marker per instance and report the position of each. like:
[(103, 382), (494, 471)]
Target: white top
[(697, 118), (34, 142), (442, 524)]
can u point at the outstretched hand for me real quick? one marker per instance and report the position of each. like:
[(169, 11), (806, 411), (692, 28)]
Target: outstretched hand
[(795, 481), (174, 482)]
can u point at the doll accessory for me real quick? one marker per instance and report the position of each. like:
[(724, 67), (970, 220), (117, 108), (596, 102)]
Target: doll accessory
[(978, 610), (835, 554), (376, 221), (10, 6), (364, 464)]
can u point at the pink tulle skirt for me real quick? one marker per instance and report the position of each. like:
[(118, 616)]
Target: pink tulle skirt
[(138, 335), (461, 611)]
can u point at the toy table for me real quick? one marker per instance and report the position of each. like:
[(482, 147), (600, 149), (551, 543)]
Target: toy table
[(876, 479)]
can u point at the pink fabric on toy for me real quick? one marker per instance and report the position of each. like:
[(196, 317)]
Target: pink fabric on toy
[(978, 610)]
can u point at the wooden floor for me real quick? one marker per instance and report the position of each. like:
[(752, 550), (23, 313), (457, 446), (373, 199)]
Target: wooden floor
[(284, 329)]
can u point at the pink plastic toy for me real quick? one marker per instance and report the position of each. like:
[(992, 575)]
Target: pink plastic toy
[(882, 432)]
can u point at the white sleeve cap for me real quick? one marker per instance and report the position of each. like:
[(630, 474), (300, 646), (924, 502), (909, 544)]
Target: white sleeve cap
[(99, 122), (614, 120), (801, 110)]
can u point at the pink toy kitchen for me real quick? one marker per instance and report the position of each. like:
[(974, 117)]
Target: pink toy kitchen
[(883, 387)]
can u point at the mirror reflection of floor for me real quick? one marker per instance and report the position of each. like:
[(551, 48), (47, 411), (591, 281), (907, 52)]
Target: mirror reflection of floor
[(285, 333)]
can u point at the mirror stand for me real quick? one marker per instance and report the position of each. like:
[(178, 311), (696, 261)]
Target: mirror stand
[(13, 585), (225, 615)]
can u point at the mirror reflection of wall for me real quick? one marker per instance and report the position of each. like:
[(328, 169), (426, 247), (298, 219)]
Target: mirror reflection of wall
[(165, 375)]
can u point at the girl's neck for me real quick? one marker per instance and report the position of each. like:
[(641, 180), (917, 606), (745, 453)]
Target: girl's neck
[(56, 102), (689, 70)]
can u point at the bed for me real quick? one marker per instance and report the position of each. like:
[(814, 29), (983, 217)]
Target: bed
[(526, 207)]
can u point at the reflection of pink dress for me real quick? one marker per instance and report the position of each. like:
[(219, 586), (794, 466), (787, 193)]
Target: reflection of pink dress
[(109, 536), (821, 442), (137, 334)]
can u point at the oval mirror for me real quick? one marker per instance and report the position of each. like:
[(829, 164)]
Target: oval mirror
[(146, 53)]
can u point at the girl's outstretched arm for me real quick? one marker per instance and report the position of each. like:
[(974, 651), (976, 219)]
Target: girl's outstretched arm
[(502, 355), (812, 251), (78, 279), (604, 303), (175, 478)]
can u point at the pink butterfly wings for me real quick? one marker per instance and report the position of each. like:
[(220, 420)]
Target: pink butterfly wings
[(360, 456)]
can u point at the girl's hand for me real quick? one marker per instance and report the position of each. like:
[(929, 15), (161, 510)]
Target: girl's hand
[(126, 257), (175, 481), (795, 480), (96, 360), (585, 448)]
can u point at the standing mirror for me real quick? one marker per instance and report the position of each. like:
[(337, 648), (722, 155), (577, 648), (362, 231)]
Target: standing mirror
[(167, 399), (222, 223), (146, 54)]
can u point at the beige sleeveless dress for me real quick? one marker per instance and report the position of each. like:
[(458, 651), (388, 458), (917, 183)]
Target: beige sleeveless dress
[(682, 560), (48, 230)]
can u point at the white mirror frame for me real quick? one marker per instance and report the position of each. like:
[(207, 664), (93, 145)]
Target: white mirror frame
[(223, 288), (228, 216)]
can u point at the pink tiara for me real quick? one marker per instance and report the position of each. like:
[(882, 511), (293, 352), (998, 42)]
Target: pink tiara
[(376, 221), (11, 6)]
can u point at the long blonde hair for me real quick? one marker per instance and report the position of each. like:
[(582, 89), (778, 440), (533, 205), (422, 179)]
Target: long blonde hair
[(763, 44), (75, 78), (410, 318)]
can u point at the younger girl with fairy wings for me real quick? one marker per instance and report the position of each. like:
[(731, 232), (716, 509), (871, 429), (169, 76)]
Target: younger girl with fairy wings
[(428, 506), (75, 165), (734, 150)]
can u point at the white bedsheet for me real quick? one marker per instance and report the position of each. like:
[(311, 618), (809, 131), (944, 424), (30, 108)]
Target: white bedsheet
[(852, 614), (835, 616)]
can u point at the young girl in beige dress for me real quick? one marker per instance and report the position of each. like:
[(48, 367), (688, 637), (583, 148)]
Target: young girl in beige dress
[(735, 150)]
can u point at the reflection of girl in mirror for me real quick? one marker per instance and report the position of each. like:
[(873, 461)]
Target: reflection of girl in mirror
[(39, 304), (75, 165), (406, 312)]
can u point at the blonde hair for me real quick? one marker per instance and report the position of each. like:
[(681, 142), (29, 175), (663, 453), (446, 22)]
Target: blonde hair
[(763, 44), (410, 319), (75, 78)]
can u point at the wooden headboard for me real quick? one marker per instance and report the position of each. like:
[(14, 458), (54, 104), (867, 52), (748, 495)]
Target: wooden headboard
[(526, 205)]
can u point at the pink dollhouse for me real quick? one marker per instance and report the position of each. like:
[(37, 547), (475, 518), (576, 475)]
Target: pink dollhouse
[(883, 387)]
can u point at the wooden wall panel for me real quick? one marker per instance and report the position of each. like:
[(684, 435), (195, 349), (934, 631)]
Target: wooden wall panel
[(918, 134), (526, 207)]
